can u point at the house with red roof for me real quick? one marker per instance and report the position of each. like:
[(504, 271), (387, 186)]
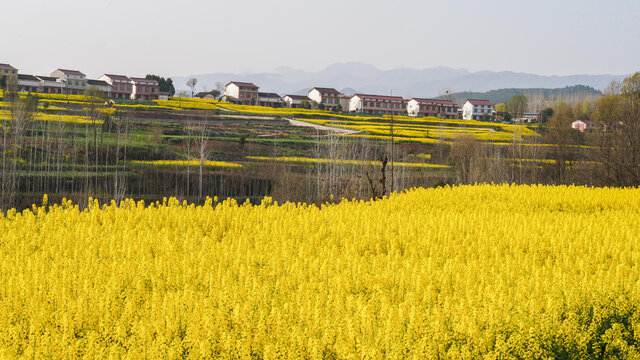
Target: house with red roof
[(144, 89), (474, 109), (377, 104), (121, 86), (443, 109), (239, 92)]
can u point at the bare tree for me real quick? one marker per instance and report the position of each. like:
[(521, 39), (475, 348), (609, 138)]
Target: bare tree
[(191, 83), (617, 132)]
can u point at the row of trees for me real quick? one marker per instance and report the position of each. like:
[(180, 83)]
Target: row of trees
[(608, 154)]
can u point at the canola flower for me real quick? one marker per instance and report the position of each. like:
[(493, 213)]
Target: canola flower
[(461, 273), (207, 163), (5, 115), (310, 160)]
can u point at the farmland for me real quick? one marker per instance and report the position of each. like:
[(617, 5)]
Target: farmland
[(457, 272), (150, 149)]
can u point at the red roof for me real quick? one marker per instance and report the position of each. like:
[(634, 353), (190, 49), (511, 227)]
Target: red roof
[(434, 101), (117, 77), (134, 79), (479, 102), (380, 97), (244, 84)]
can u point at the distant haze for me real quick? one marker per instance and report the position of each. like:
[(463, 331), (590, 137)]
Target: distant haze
[(172, 38), (364, 78)]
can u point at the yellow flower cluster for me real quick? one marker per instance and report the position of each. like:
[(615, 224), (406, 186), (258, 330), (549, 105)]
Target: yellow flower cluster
[(208, 163), (188, 103), (5, 115), (459, 273), (310, 160)]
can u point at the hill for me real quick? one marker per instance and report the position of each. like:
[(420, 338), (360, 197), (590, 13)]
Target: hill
[(567, 93)]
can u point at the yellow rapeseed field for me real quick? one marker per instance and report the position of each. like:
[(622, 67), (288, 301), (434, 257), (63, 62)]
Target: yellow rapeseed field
[(495, 272)]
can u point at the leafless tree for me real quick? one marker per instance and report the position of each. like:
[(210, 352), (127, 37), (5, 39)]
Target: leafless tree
[(191, 83)]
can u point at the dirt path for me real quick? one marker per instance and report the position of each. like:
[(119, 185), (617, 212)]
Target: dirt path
[(322, 127)]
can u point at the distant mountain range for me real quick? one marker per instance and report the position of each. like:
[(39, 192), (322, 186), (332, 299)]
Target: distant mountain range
[(503, 95), (364, 78)]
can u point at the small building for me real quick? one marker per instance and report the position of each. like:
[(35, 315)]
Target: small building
[(326, 98), (28, 83), (443, 109), (241, 93), (582, 125), (75, 82), (163, 95), (269, 99), (295, 101), (377, 104), (9, 73), (144, 89), (474, 109), (531, 117), (204, 95), (50, 85), (121, 86), (101, 85)]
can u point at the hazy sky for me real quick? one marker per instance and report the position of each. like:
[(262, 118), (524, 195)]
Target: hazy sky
[(170, 38)]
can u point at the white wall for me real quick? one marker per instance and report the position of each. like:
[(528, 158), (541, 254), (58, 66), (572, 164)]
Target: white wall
[(232, 90), (413, 107), (355, 104), (315, 95)]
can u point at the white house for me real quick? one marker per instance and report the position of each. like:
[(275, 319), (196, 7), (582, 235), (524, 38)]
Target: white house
[(50, 85), (28, 83), (377, 104), (329, 98), (269, 99), (444, 109), (582, 125), (75, 81), (294, 101), (241, 92), (101, 85), (474, 109)]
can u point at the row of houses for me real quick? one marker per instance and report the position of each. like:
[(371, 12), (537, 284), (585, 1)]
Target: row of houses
[(331, 99), (74, 82)]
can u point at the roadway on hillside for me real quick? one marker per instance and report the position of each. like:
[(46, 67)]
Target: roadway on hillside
[(322, 127)]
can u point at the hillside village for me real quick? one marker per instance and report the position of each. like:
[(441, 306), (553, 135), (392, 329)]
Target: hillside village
[(74, 82)]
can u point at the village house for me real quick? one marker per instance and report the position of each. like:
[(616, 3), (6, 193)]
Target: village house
[(50, 85), (204, 95), (144, 89), (241, 93), (269, 99), (295, 101), (75, 82), (444, 109), (100, 85), (9, 74), (28, 83), (121, 86), (326, 98), (378, 104), (582, 125), (474, 109)]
